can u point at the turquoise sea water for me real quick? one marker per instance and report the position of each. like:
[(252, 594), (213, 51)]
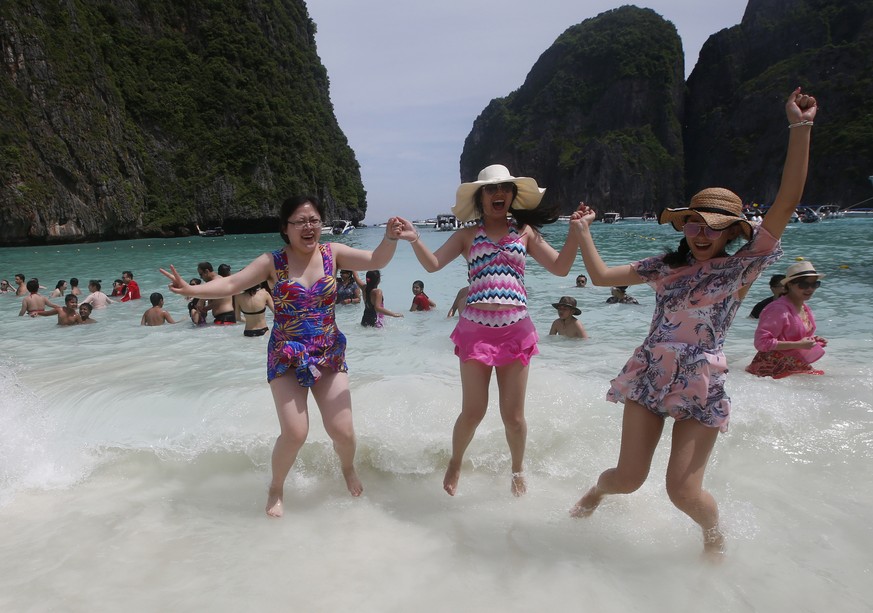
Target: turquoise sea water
[(134, 461)]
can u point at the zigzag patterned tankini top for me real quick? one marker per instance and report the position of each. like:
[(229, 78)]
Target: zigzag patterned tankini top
[(305, 336), (496, 270)]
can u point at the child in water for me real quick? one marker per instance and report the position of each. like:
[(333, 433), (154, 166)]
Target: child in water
[(374, 309), (567, 324), (679, 370), (420, 300)]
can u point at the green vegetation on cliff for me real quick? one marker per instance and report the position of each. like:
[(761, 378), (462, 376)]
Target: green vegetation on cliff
[(156, 114)]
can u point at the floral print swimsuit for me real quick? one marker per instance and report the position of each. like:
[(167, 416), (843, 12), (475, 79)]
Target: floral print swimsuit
[(305, 337)]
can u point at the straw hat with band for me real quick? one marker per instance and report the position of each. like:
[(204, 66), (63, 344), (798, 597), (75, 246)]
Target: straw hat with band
[(800, 270), (567, 301), (528, 197), (718, 207)]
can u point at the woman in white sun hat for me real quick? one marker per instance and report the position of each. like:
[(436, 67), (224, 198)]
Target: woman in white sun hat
[(785, 337), (494, 332), (679, 370)]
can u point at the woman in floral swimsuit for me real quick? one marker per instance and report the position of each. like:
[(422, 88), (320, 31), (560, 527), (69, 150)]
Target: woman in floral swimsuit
[(680, 368), (306, 350)]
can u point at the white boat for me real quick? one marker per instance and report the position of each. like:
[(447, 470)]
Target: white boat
[(807, 215), (424, 223), (342, 226), (829, 211), (610, 217), (447, 222)]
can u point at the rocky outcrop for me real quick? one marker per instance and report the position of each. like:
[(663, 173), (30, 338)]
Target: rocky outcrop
[(735, 132), (597, 118), (602, 116), (126, 119)]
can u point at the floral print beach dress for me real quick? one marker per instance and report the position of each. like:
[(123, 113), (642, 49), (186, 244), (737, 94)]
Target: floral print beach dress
[(680, 368)]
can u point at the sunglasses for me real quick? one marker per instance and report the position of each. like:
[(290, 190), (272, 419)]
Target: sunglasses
[(693, 228), (504, 187), (807, 284)]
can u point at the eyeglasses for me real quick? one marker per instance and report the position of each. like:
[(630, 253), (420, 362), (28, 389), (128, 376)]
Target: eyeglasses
[(299, 224), (807, 284), (504, 187), (692, 229)]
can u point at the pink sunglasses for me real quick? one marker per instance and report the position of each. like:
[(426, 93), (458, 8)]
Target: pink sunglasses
[(693, 228)]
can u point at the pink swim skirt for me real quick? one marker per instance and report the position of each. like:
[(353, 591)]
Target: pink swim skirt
[(495, 346)]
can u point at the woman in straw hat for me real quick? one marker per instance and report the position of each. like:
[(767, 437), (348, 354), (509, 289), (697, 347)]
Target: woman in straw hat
[(494, 332), (785, 337), (679, 370)]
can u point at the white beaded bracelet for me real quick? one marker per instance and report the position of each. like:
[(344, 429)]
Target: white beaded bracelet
[(800, 123)]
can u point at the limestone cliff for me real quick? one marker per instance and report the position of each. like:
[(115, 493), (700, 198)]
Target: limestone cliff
[(596, 119), (735, 132), (126, 118)]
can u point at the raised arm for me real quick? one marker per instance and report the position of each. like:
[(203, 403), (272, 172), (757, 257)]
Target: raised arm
[(221, 287), (433, 261), (800, 110), (359, 259), (557, 263), (599, 273)]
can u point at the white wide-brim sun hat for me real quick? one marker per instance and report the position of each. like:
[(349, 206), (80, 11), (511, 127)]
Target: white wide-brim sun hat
[(528, 197), (799, 270)]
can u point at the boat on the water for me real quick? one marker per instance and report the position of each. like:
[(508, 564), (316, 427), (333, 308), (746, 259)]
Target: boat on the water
[(216, 231), (447, 222), (342, 226), (611, 217), (808, 215)]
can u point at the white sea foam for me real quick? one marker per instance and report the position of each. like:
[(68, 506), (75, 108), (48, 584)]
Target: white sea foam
[(134, 461)]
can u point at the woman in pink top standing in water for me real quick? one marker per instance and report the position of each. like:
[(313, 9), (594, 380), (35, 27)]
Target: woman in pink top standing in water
[(680, 368), (494, 332)]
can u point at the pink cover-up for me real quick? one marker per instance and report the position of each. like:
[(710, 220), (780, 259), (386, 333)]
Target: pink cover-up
[(680, 368), (780, 321)]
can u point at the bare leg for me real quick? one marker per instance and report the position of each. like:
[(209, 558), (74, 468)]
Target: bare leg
[(335, 403), (475, 377), (291, 409), (640, 432), (689, 455), (512, 386)]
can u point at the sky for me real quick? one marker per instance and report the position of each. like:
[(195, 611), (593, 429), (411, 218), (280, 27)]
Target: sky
[(408, 78)]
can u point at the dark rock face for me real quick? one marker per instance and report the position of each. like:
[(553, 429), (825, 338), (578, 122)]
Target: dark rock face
[(597, 118), (125, 119), (735, 130), (602, 116)]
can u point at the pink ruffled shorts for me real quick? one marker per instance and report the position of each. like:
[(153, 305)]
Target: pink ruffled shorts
[(495, 346)]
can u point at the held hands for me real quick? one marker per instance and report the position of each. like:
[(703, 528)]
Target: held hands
[(583, 216), (407, 230), (800, 108), (393, 229)]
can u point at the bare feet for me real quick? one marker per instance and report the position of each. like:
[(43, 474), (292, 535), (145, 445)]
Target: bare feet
[(352, 481), (713, 545), (450, 481), (274, 502), (519, 485), (587, 504)]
